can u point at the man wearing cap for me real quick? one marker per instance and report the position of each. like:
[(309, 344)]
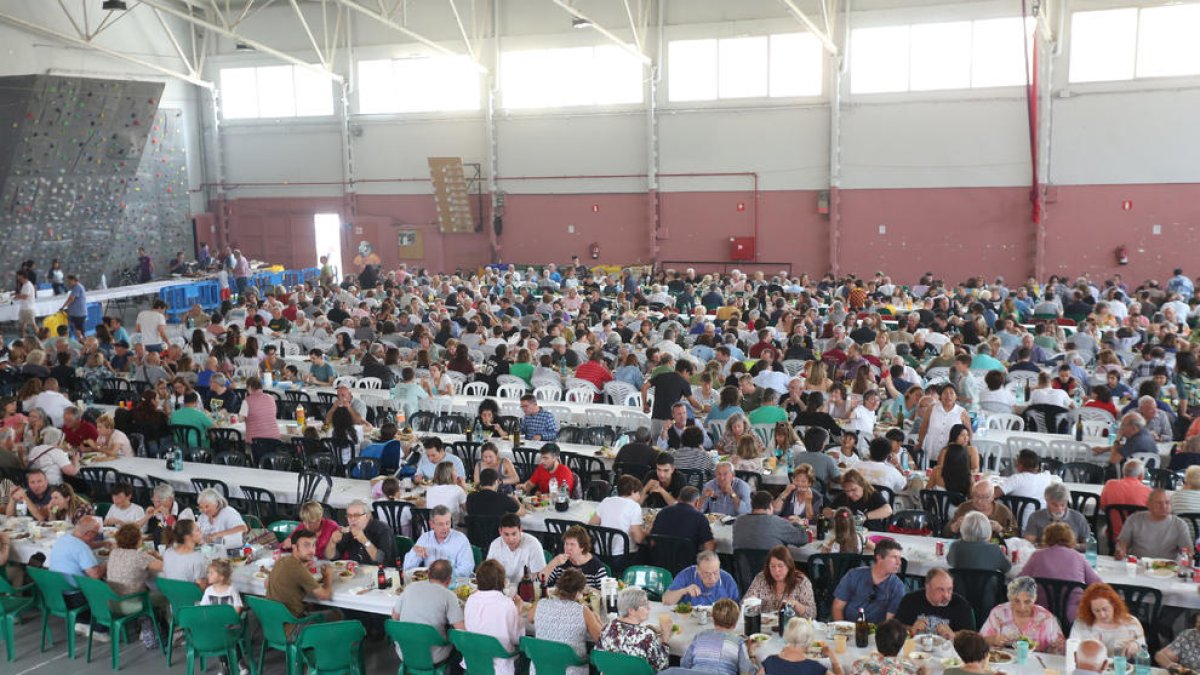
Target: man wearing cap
[(121, 359)]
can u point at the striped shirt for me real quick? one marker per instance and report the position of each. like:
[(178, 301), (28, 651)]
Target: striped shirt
[(718, 651)]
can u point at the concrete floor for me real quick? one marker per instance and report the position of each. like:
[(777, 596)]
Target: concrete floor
[(136, 660)]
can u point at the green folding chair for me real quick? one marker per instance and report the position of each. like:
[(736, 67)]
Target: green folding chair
[(654, 580), (550, 657), (252, 521), (213, 631), (51, 586), (101, 598), (12, 603), (179, 594), (478, 553), (416, 642), (101, 509), (283, 528), (403, 546), (478, 650), (273, 616), (333, 648), (612, 663)]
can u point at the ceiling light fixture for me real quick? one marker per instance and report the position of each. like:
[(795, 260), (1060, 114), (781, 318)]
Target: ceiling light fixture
[(114, 6), (243, 47), (578, 22)]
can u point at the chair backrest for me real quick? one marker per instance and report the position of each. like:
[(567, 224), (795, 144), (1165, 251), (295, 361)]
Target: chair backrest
[(390, 512), (673, 554), (51, 585), (1096, 415), (1148, 459), (982, 588), (282, 529), (362, 468), (1005, 422), (941, 503), (206, 626), (510, 390), (1021, 507), (186, 436), (98, 594), (615, 663), (654, 580), (308, 484), (548, 392), (1164, 478), (1082, 472), (416, 642), (1059, 595), (824, 570), (475, 389), (478, 650), (1116, 515), (747, 562), (202, 484), (272, 616), (914, 521), (333, 646), (369, 383), (696, 477), (550, 657), (1145, 603), (482, 530)]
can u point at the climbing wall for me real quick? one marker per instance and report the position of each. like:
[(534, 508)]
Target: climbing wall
[(90, 170)]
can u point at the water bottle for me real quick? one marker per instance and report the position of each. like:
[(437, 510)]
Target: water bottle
[(178, 459), (1118, 665), (553, 487), (22, 509), (1091, 550), (1142, 666)]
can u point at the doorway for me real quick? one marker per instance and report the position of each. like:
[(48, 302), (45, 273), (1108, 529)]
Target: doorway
[(327, 231)]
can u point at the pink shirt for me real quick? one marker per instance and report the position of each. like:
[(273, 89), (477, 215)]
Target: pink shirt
[(260, 416), (493, 613)]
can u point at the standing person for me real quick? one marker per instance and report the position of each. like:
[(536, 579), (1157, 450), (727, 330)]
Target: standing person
[(145, 266), (939, 418), (669, 388), (54, 275), (25, 296), (152, 325), (241, 272), (75, 306)]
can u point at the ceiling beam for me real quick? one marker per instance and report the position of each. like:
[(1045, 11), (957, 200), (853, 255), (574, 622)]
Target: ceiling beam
[(645, 60), (30, 27), (380, 18), (823, 36), (233, 35)]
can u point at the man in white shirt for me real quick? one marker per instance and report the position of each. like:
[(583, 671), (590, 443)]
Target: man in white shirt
[(1028, 481), (26, 294), (879, 471), (53, 402), (123, 510), (515, 549), (623, 512), (152, 325), (862, 418), (1047, 395)]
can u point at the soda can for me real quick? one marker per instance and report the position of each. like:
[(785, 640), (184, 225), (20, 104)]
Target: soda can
[(1016, 556), (233, 419), (941, 548)]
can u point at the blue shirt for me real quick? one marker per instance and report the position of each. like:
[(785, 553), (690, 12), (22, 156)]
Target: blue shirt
[(72, 557), (323, 372), (723, 503), (77, 301), (426, 467), (725, 588), (456, 549), (857, 589), (542, 424)]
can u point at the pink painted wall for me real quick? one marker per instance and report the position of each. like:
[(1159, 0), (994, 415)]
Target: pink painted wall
[(952, 232)]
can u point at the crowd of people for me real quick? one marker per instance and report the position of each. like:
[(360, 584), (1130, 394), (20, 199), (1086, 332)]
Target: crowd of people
[(819, 364)]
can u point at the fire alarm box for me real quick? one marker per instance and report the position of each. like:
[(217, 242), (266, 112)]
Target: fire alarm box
[(741, 248)]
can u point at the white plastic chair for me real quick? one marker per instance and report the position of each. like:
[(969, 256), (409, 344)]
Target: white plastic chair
[(475, 389), (1150, 460), (599, 417), (1096, 415), (511, 408), (1097, 430), (441, 405), (618, 392), (793, 367), (1070, 451), (1005, 422), (764, 433), (562, 414), (345, 381), (369, 383), (632, 420), (547, 393), (511, 390), (581, 395), (511, 379)]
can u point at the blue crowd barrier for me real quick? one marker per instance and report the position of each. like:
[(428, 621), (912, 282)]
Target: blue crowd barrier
[(207, 293), (95, 313)]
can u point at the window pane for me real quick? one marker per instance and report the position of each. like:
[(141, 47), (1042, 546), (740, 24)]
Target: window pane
[(743, 67), (797, 62), (566, 73), (1103, 45), (376, 88), (436, 83), (314, 93), (692, 70), (879, 60), (996, 52), (940, 56), (616, 76), (276, 92), (239, 93), (1167, 41)]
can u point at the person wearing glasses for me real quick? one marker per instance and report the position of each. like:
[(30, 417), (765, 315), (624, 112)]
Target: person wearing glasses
[(364, 539), (875, 589)]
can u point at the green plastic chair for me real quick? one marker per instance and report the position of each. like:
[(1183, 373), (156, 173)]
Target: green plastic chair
[(613, 663), (11, 606), (478, 553), (101, 597), (179, 594), (283, 528), (403, 546), (212, 631), (252, 521), (272, 616), (51, 586), (548, 555), (478, 650), (654, 580), (333, 648), (416, 641), (550, 657), (102, 509)]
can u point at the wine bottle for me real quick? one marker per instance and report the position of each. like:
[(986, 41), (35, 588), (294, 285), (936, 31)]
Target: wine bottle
[(862, 629), (525, 587)]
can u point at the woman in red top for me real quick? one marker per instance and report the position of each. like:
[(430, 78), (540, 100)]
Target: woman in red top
[(312, 518), (1101, 398)]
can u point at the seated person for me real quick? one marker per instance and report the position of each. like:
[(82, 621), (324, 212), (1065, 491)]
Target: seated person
[(703, 583), (936, 608)]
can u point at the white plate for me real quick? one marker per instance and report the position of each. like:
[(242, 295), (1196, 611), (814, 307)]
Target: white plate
[(843, 627), (1164, 573)]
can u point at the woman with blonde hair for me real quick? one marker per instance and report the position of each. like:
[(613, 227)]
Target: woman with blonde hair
[(110, 440), (312, 518), (785, 440), (66, 505), (945, 357), (818, 379), (746, 456)]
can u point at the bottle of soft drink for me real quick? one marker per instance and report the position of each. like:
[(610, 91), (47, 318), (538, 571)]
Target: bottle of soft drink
[(1091, 550)]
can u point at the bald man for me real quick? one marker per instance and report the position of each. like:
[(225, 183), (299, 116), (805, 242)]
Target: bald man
[(1091, 657)]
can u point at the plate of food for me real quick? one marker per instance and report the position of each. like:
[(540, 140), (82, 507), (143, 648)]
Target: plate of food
[(345, 574), (770, 618), (759, 637), (918, 657), (683, 608), (419, 574), (1161, 572), (262, 572), (997, 656), (951, 662), (843, 627)]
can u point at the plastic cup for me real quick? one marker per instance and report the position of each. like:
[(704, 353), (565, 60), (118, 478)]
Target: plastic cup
[(839, 643), (1022, 652)]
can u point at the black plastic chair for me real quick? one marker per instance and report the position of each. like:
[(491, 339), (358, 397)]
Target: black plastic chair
[(525, 460), (1193, 521), (1059, 594), (914, 520), (1164, 478), (114, 390), (390, 512), (1146, 604), (362, 468), (824, 571), (941, 503), (422, 421), (468, 452), (1021, 507), (141, 487), (673, 554), (261, 503), (1046, 419), (323, 463), (420, 521), (751, 478), (224, 439), (587, 467), (1052, 465), (277, 461), (597, 491), (984, 589), (308, 486), (1082, 472), (99, 479), (186, 436), (453, 423), (1115, 514), (1088, 504), (888, 494), (747, 562), (696, 477), (509, 423), (137, 442), (198, 455), (342, 449), (598, 435), (482, 530), (570, 433), (638, 471), (260, 447), (604, 541), (231, 458), (201, 484)]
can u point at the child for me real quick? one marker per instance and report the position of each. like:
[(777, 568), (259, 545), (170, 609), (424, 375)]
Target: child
[(844, 537), (221, 592)]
